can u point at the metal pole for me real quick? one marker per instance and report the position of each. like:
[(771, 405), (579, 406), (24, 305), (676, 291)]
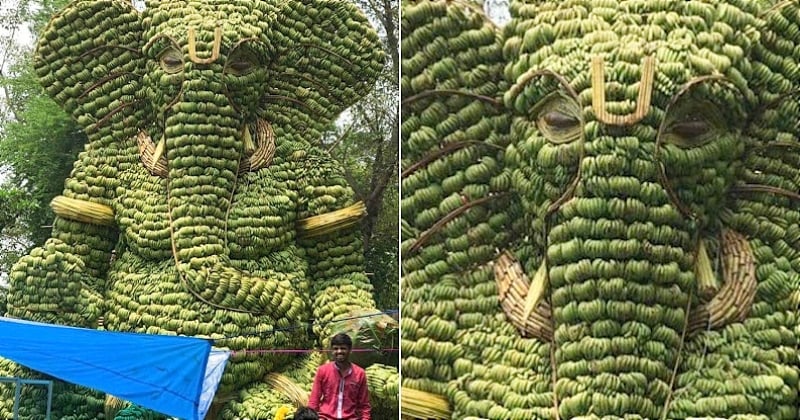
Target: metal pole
[(49, 398), (17, 390)]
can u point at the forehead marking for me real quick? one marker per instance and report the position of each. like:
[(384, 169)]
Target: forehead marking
[(642, 102), (214, 51)]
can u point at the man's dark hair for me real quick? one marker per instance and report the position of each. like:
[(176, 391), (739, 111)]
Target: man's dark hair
[(342, 339), (305, 413)]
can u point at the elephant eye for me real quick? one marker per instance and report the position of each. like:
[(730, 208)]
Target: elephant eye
[(694, 128), (695, 125), (240, 67), (558, 118), (241, 61), (171, 61)]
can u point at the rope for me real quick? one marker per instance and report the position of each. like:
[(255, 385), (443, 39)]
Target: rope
[(304, 351)]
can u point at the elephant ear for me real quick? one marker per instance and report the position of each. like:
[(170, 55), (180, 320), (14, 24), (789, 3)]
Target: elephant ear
[(328, 56), (456, 208), (89, 61), (772, 160)]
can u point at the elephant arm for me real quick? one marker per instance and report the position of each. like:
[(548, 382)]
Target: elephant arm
[(339, 285), (63, 281)]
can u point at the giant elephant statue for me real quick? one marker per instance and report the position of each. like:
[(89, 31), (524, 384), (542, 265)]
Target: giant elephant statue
[(600, 210), (201, 205)]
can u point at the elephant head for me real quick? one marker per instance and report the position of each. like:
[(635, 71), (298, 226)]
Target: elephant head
[(634, 128), (633, 163), (201, 93)]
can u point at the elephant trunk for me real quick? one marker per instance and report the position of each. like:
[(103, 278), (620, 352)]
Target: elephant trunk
[(620, 265), (203, 148), (204, 144)]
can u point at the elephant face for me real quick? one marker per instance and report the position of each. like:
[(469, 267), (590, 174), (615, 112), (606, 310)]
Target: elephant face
[(206, 54), (632, 121), (641, 107)]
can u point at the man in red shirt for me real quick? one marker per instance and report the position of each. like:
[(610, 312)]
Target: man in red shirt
[(340, 387)]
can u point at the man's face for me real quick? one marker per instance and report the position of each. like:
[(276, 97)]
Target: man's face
[(341, 353)]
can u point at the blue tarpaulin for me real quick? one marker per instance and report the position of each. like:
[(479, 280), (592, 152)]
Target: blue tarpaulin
[(177, 376)]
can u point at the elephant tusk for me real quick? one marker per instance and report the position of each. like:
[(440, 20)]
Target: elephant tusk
[(521, 300), (536, 290), (735, 297), (259, 151), (262, 151), (247, 138), (159, 152), (152, 158), (707, 284)]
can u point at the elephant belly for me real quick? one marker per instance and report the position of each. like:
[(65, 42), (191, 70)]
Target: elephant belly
[(149, 297), (262, 216)]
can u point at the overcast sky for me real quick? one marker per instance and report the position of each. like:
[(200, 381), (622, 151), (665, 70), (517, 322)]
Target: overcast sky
[(8, 36), (497, 10)]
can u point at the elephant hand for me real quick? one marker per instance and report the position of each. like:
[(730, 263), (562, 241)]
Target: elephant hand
[(215, 282), (62, 295)]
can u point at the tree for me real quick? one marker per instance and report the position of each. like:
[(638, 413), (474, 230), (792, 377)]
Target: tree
[(367, 144), (39, 141)]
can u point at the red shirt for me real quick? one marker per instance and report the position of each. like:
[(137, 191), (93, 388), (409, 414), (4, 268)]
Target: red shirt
[(337, 397)]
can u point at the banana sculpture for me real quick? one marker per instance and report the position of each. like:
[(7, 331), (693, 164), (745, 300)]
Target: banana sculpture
[(199, 206), (600, 210)]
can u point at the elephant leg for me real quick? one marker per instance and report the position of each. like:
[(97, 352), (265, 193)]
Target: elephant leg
[(502, 376), (135, 412), (258, 401), (742, 371)]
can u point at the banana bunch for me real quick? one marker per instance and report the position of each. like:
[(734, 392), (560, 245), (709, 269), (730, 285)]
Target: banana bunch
[(501, 376), (135, 412), (383, 382), (257, 402)]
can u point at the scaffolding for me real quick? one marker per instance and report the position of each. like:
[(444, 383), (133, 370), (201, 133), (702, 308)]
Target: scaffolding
[(18, 382)]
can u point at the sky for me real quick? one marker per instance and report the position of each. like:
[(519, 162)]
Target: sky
[(9, 37), (497, 10)]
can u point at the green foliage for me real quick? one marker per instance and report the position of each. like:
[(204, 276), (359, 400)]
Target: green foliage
[(39, 146), (3, 299), (381, 261), (15, 206)]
